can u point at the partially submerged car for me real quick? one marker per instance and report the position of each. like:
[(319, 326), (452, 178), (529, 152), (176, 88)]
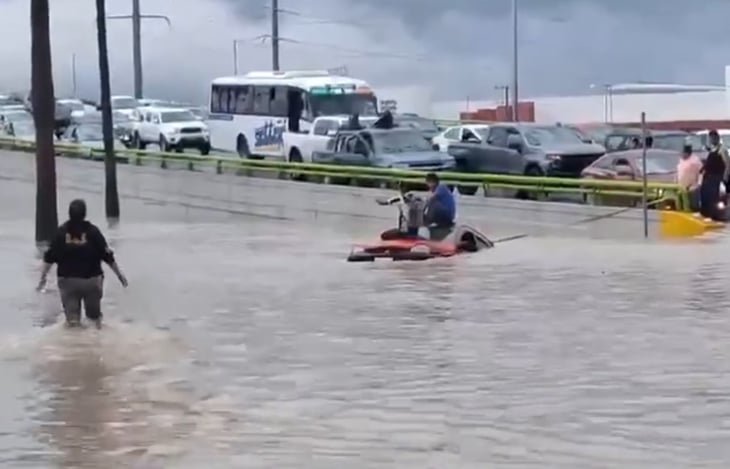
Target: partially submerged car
[(398, 245)]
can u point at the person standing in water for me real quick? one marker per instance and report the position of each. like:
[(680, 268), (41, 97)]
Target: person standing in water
[(78, 249), (713, 175)]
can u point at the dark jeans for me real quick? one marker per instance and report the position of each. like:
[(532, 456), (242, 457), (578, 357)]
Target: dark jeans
[(694, 199), (438, 215), (710, 196), (78, 291)]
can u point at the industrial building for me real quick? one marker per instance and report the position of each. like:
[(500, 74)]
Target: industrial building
[(665, 105)]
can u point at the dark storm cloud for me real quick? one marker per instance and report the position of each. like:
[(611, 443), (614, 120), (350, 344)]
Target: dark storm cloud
[(459, 47)]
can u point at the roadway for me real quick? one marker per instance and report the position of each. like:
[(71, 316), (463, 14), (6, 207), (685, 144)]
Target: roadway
[(318, 203)]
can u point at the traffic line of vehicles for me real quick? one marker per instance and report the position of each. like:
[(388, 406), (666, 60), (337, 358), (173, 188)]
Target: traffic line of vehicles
[(137, 124), (319, 117)]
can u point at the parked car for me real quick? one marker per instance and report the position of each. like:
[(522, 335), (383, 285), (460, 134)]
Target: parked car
[(125, 105), (299, 146), (20, 129), (661, 166), (172, 129), (460, 133), (724, 137), (527, 149), (9, 100), (616, 138), (89, 134), (675, 140), (399, 147), (17, 123), (77, 107)]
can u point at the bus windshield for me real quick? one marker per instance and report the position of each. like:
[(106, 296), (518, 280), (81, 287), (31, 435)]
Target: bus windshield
[(343, 104)]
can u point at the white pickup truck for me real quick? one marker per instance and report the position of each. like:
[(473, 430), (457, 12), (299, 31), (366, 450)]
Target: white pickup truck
[(299, 146)]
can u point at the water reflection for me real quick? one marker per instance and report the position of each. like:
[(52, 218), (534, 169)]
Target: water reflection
[(248, 348)]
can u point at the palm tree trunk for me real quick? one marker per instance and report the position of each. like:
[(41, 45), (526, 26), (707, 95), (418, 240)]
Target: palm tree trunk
[(44, 114), (110, 161)]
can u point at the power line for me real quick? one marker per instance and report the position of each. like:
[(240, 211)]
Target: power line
[(315, 20), (347, 50)]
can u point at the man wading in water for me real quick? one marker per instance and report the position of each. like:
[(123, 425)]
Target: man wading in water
[(79, 248)]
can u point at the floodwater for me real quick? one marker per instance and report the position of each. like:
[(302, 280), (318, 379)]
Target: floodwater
[(246, 342)]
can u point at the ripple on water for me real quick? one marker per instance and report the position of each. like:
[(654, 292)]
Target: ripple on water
[(273, 353)]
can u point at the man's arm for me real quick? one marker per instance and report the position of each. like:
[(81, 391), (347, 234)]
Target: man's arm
[(50, 257), (107, 255)]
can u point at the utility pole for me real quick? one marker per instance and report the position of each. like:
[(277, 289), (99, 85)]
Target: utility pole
[(137, 18), (515, 64), (274, 35), (137, 48), (73, 75), (111, 198)]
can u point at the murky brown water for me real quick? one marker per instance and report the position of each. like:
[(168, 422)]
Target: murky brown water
[(237, 345)]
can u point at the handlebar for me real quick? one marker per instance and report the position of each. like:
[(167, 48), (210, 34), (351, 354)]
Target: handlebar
[(401, 199)]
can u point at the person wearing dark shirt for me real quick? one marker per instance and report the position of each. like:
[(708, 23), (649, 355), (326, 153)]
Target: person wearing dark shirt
[(713, 174), (78, 249), (440, 208)]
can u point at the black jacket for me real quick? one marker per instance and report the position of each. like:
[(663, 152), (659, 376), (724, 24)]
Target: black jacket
[(79, 250)]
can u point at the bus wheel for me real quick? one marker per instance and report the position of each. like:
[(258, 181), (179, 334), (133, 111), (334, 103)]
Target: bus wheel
[(242, 147)]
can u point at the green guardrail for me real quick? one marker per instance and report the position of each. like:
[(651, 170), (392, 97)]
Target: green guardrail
[(670, 195)]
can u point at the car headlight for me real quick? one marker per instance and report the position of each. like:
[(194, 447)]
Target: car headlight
[(553, 158)]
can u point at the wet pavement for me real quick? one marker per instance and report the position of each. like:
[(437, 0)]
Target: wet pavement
[(245, 341)]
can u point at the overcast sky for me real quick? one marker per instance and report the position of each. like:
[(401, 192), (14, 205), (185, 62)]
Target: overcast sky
[(460, 47)]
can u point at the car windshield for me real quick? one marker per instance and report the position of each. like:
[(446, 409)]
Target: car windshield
[(177, 116), (89, 133), (540, 136), (343, 104), (677, 142), (124, 103), (399, 142)]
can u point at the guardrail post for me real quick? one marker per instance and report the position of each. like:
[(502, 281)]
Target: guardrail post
[(191, 167), (137, 159), (163, 162), (219, 167)]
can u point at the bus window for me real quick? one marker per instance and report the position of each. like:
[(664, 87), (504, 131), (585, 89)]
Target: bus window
[(244, 101), (262, 100), (230, 107), (219, 99), (278, 98)]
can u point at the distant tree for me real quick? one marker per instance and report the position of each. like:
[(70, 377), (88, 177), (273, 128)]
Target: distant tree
[(110, 161), (44, 109)]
